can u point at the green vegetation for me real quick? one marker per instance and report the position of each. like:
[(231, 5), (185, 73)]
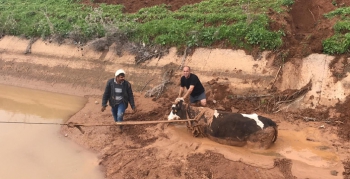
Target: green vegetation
[(236, 23), (340, 42)]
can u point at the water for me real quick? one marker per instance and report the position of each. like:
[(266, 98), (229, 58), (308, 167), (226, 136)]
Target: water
[(33, 151)]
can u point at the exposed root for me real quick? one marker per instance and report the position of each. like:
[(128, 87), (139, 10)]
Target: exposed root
[(183, 59), (278, 72), (146, 85), (274, 102), (29, 47), (145, 52), (158, 90), (52, 29), (286, 97)]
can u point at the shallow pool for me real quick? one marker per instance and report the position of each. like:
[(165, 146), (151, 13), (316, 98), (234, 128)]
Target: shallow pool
[(39, 151)]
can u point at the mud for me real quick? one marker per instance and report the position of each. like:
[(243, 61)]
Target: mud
[(151, 151), (241, 84)]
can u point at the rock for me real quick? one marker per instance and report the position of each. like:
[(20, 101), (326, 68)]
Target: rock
[(309, 139), (96, 102), (334, 172)]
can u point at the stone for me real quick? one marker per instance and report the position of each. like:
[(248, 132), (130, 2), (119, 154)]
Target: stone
[(334, 172)]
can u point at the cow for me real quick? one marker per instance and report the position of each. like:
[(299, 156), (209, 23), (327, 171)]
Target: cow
[(227, 128)]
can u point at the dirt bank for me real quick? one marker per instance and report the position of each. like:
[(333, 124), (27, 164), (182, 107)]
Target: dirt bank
[(312, 143)]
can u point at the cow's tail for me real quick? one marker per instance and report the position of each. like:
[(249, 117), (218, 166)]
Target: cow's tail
[(275, 135)]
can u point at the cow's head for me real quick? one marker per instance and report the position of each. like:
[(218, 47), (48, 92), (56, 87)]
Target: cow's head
[(177, 110)]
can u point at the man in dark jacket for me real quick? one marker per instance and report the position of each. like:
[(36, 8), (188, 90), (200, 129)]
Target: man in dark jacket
[(118, 93), (194, 87)]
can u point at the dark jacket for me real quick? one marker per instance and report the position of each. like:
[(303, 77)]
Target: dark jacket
[(128, 96)]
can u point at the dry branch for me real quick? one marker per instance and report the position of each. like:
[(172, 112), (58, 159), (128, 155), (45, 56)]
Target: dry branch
[(183, 59), (273, 83), (157, 90), (254, 96), (29, 47), (287, 97), (49, 22), (273, 102), (146, 85), (312, 15)]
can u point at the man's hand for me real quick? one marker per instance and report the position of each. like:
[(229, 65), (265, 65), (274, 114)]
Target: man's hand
[(179, 99), (103, 108)]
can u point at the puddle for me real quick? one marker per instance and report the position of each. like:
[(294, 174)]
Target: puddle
[(306, 155), (293, 145), (39, 151)]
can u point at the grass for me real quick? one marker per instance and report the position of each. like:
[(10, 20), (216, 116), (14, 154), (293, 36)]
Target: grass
[(339, 43), (236, 23)]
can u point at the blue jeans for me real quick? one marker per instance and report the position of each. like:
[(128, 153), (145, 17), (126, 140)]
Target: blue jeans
[(118, 112)]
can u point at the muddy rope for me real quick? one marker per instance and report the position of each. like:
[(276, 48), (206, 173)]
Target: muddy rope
[(72, 124), (78, 126)]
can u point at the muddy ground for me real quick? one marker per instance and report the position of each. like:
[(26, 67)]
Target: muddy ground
[(169, 151)]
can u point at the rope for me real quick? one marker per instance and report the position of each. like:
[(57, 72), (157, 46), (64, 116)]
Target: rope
[(72, 124), (78, 126), (16, 122)]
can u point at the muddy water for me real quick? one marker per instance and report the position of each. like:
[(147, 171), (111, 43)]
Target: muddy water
[(35, 151), (311, 159)]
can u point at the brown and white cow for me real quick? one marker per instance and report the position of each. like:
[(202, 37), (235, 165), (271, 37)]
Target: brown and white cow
[(227, 128)]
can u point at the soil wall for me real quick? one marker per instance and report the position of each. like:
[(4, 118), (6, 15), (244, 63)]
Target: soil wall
[(84, 69), (234, 65), (160, 151)]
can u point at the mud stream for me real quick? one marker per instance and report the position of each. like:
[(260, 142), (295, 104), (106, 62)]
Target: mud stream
[(38, 150), (310, 158)]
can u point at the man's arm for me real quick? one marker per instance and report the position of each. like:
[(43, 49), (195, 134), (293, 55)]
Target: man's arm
[(189, 91), (181, 91), (106, 94), (131, 97)]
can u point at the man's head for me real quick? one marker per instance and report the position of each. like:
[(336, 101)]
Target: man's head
[(120, 75), (186, 71)]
